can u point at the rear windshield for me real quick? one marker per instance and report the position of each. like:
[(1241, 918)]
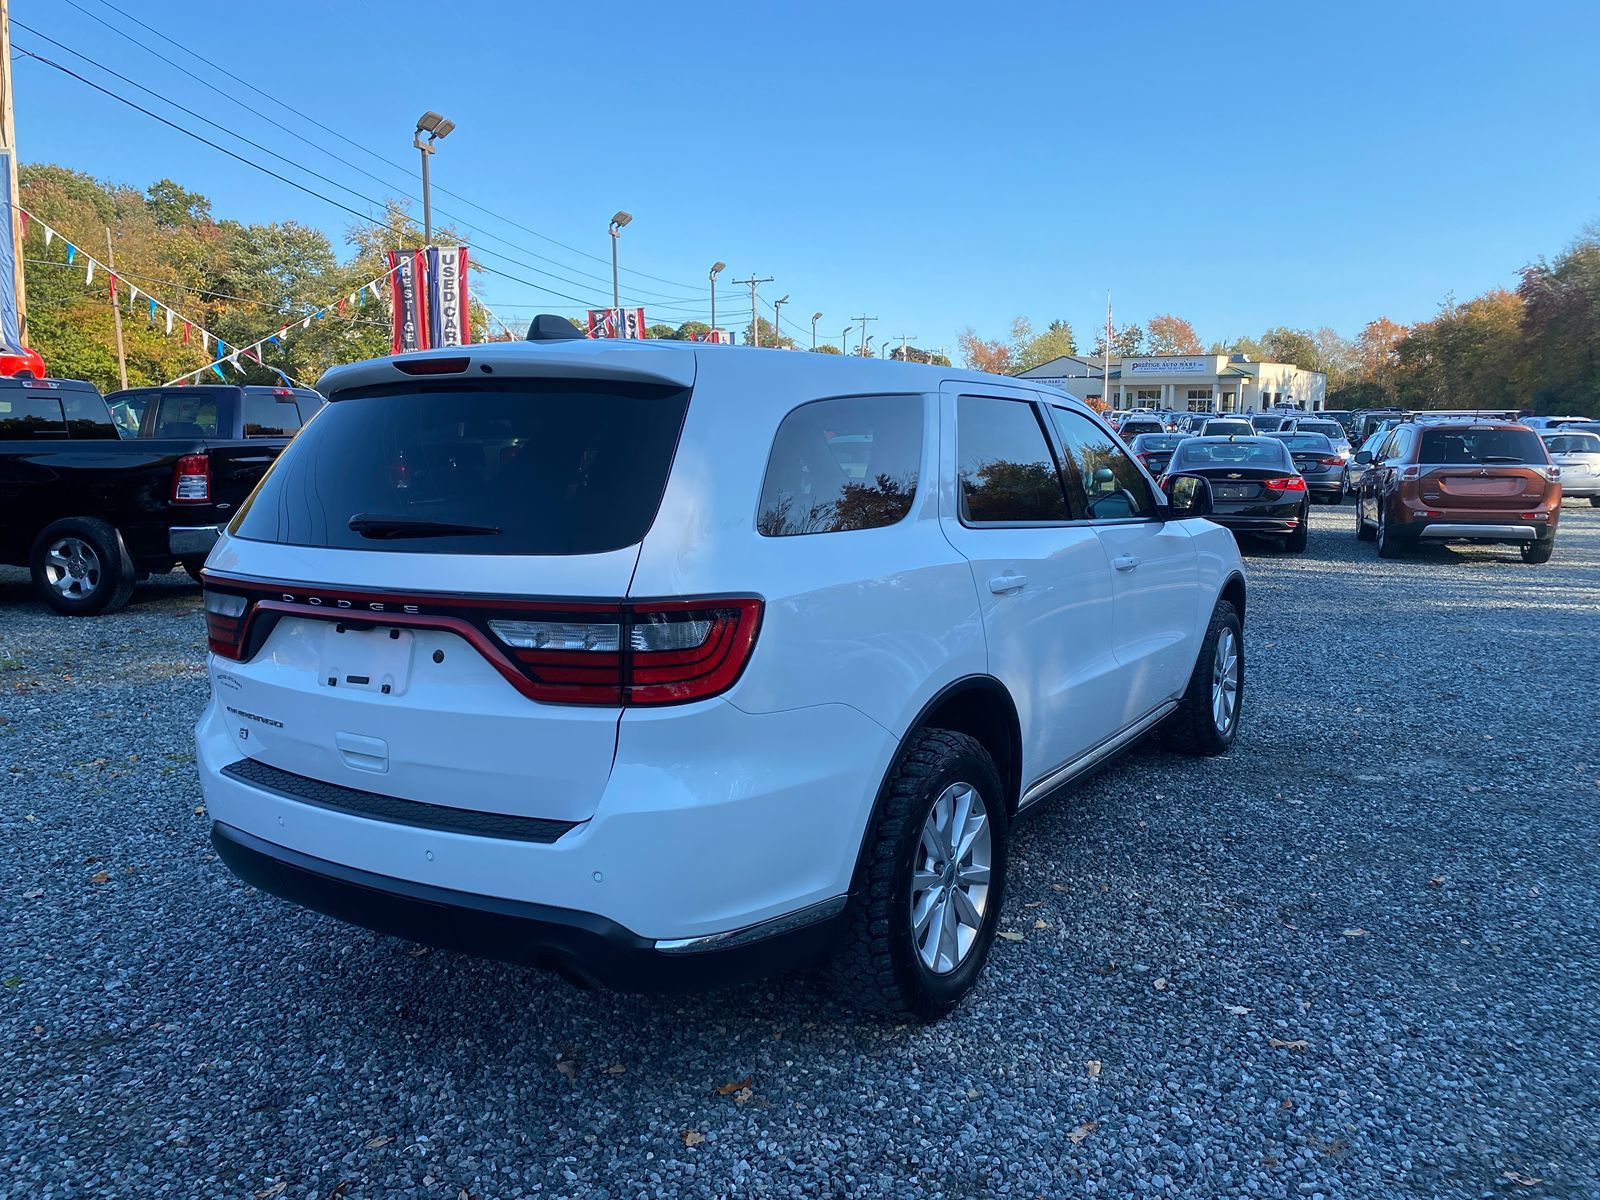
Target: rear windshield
[(1573, 443), (1328, 428), (1305, 441), (1224, 428), (268, 415), (1147, 442), (505, 467), (1486, 445), (1266, 424), (1262, 453), (1141, 425)]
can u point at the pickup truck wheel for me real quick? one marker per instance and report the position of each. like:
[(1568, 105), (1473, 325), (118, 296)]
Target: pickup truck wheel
[(932, 882), (1207, 718), (81, 568), (192, 567)]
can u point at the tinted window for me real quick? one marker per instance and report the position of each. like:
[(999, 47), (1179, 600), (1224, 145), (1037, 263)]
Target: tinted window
[(554, 466), (28, 416), (1007, 470), (1106, 483), (1487, 446), (1147, 442), (1224, 428), (1573, 443), (1305, 441), (87, 416), (186, 416), (1261, 453), (266, 415), (1266, 424), (842, 464), (128, 409), (1327, 428)]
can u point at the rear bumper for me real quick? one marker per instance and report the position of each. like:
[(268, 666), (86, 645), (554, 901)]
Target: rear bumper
[(1256, 524), (192, 541), (583, 947), (1451, 530)]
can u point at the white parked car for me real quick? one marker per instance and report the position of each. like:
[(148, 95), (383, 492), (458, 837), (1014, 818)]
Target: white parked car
[(1577, 453), (660, 665)]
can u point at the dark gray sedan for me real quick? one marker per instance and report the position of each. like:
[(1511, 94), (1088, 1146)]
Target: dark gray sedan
[(1319, 461)]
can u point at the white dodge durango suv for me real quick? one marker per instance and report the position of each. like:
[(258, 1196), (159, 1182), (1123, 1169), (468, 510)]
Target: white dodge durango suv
[(661, 664)]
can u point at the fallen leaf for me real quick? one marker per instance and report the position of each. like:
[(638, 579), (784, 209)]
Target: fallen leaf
[(1034, 904), (568, 1068), (339, 1190), (463, 1194), (1009, 935), (1093, 1066), (743, 1096), (33, 894), (90, 861), (1082, 1131), (1436, 881), (1041, 924), (101, 877), (133, 758), (1105, 887), (1238, 1010), (1160, 985), (972, 1093), (199, 810), (417, 951), (379, 1142), (1521, 1180), (729, 1089), (1288, 1044), (1108, 969), (693, 1137), (1061, 887), (1286, 1105), (276, 1189), (615, 1069), (1354, 933)]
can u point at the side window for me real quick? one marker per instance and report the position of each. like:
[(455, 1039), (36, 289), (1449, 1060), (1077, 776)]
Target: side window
[(186, 413), (270, 415), (24, 416), (86, 416), (1105, 481), (128, 409), (1005, 469), (838, 465), (1390, 447)]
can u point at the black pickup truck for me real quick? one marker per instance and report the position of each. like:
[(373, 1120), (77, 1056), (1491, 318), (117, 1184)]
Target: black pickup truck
[(91, 502)]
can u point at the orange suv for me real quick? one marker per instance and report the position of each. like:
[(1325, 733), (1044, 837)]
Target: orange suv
[(1436, 481)]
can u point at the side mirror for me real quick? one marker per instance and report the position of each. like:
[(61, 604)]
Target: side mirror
[(1363, 457), (1188, 496)]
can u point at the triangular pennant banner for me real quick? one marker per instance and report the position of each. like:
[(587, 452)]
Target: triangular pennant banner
[(169, 322), (49, 236), (72, 253), (89, 276)]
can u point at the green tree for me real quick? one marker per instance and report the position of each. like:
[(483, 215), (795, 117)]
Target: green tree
[(1127, 341), (173, 206), (1029, 349), (770, 338), (827, 348), (664, 332), (1295, 346)]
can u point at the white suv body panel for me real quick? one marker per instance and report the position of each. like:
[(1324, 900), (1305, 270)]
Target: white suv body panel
[(721, 814)]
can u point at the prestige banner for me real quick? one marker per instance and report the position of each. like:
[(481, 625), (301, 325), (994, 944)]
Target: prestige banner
[(407, 285)]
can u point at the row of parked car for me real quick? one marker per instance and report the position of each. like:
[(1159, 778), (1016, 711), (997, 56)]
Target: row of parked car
[(1485, 477), (98, 492)]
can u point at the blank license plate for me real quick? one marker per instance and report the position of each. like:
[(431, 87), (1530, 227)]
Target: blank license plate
[(368, 660), (1232, 493)]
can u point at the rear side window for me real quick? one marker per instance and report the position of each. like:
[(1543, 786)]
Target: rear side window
[(87, 417), (842, 464), (23, 416), (266, 415), (1007, 471), (185, 416), (1482, 446), (519, 466)]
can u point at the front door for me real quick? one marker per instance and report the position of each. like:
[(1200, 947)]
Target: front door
[(1155, 571), (1043, 582)]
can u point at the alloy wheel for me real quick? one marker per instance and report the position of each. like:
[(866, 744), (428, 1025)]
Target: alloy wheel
[(72, 568), (950, 878), (1225, 681)]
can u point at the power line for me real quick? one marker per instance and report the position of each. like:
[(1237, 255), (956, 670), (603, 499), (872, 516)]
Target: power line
[(350, 141)]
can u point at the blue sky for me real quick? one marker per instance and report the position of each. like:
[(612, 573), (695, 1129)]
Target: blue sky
[(933, 164)]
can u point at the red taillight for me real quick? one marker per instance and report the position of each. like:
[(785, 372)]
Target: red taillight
[(1334, 461), (1289, 483), (191, 479), (432, 366), (225, 621), (663, 652)]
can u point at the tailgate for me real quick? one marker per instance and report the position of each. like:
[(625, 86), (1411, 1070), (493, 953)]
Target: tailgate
[(1488, 488), (236, 468)]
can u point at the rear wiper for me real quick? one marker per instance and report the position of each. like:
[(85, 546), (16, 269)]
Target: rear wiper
[(1502, 458), (368, 525)]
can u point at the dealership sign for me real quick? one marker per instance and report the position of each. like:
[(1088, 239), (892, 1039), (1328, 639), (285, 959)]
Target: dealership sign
[(1168, 366)]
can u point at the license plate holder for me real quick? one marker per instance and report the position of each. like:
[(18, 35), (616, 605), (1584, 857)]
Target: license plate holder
[(375, 659), (1227, 492)]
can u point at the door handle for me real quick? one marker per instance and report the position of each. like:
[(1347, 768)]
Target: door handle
[(1125, 562), (1004, 585)]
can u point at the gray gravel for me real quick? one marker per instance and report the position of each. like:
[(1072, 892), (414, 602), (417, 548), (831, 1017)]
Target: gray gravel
[(1356, 957)]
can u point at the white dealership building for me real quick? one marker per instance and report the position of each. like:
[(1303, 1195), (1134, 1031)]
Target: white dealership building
[(1187, 382)]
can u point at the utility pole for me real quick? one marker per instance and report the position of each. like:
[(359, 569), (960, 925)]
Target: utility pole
[(755, 318), (864, 321), (8, 143), (904, 338), (116, 306)]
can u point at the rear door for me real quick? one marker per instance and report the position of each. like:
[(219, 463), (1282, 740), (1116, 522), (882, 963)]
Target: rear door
[(1155, 571), (1488, 468), (396, 654), (1043, 580)]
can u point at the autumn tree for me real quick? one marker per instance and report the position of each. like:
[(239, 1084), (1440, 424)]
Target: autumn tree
[(1375, 354), (1169, 334), (1294, 346), (980, 355)]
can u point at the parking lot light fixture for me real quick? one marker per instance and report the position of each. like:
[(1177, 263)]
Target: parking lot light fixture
[(717, 268), (617, 222), (815, 317), (435, 127)]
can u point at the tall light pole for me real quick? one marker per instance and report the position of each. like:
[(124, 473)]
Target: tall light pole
[(777, 315), (815, 317), (436, 127), (717, 268), (844, 341), (617, 223)]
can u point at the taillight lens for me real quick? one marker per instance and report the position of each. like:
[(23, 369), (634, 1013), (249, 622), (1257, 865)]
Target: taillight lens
[(1334, 461), (191, 479), (1289, 483), (650, 653), (1552, 473), (225, 614)]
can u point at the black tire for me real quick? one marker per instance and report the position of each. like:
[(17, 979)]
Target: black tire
[(1295, 543), (99, 573), (1192, 728), (1538, 552), (1363, 534), (1594, 501), (878, 967), (192, 568), (1388, 546)]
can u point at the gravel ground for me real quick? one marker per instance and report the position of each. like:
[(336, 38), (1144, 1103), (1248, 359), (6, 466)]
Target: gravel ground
[(1355, 957)]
